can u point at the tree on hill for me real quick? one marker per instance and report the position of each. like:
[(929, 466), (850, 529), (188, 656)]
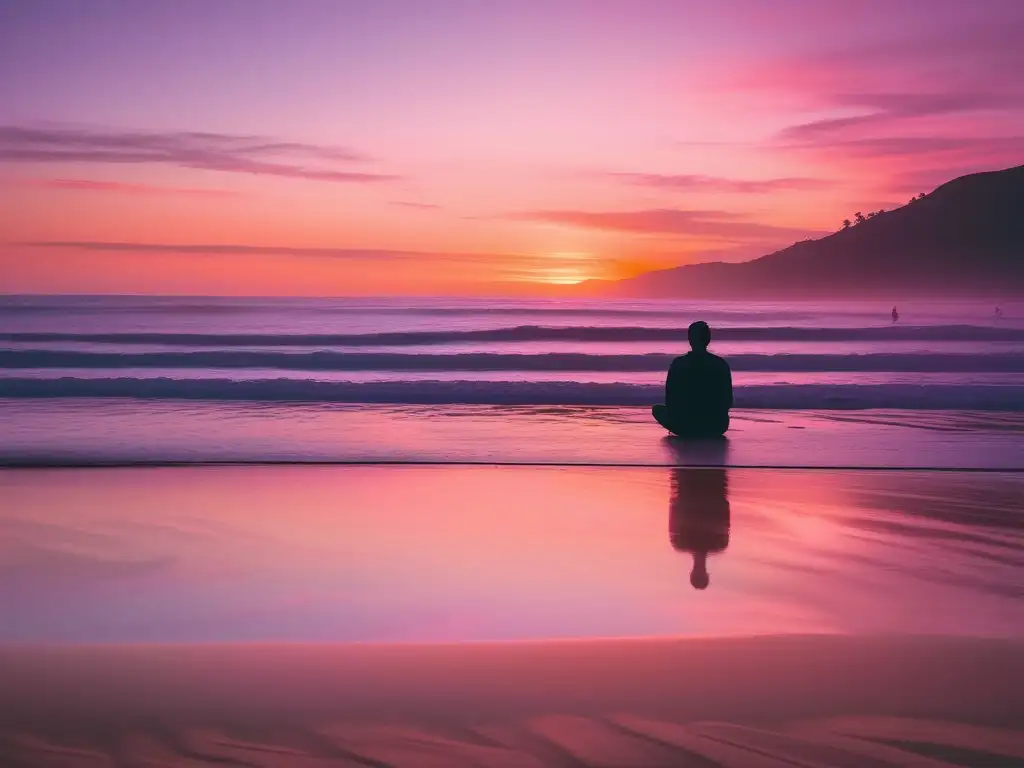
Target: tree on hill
[(846, 223), (859, 217)]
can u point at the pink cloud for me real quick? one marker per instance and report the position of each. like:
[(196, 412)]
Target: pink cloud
[(888, 110), (696, 223), (904, 113), (415, 205), (91, 185), (976, 59), (700, 183)]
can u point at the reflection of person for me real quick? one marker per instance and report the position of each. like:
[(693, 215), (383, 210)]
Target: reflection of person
[(698, 390), (699, 513)]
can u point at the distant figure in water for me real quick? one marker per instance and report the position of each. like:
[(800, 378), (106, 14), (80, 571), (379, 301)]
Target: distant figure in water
[(999, 313), (698, 390), (895, 315), (698, 516)]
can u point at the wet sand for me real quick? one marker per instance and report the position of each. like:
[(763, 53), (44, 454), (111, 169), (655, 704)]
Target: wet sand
[(314, 616), (771, 701), (139, 432), (455, 554)]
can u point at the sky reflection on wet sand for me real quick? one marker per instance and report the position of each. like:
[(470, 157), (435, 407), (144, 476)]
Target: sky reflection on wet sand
[(425, 554)]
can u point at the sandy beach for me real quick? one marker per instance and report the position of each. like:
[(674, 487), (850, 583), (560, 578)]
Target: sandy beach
[(770, 701), (313, 616)]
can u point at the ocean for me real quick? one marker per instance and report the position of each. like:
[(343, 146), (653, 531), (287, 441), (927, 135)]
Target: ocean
[(93, 375)]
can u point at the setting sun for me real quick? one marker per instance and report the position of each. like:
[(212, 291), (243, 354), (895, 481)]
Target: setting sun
[(566, 277), (567, 269)]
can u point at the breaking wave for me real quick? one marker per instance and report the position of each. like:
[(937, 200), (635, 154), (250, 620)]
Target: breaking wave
[(553, 361), (526, 333)]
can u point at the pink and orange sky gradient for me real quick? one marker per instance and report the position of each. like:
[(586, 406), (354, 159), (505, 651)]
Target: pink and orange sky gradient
[(472, 147)]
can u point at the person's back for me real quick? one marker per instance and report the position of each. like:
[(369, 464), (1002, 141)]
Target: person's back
[(698, 390)]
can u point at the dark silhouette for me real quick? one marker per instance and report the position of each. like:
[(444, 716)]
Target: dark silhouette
[(698, 390), (999, 313), (846, 223), (895, 315), (962, 240), (698, 516)]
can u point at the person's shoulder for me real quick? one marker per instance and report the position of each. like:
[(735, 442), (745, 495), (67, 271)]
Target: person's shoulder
[(719, 361)]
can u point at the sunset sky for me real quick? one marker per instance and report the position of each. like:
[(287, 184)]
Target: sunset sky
[(333, 147)]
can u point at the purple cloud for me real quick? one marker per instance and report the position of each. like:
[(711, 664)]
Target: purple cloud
[(888, 109), (206, 151), (984, 150)]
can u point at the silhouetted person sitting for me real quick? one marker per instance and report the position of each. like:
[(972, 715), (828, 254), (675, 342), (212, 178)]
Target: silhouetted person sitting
[(698, 517), (698, 390)]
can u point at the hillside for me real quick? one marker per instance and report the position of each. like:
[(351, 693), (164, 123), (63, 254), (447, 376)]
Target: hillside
[(965, 238)]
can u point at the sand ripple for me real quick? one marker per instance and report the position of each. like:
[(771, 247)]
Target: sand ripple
[(609, 741)]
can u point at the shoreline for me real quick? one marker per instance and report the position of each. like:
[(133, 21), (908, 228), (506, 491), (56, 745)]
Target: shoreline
[(29, 464), (55, 433)]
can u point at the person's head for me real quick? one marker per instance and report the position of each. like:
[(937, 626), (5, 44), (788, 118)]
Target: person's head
[(699, 335)]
